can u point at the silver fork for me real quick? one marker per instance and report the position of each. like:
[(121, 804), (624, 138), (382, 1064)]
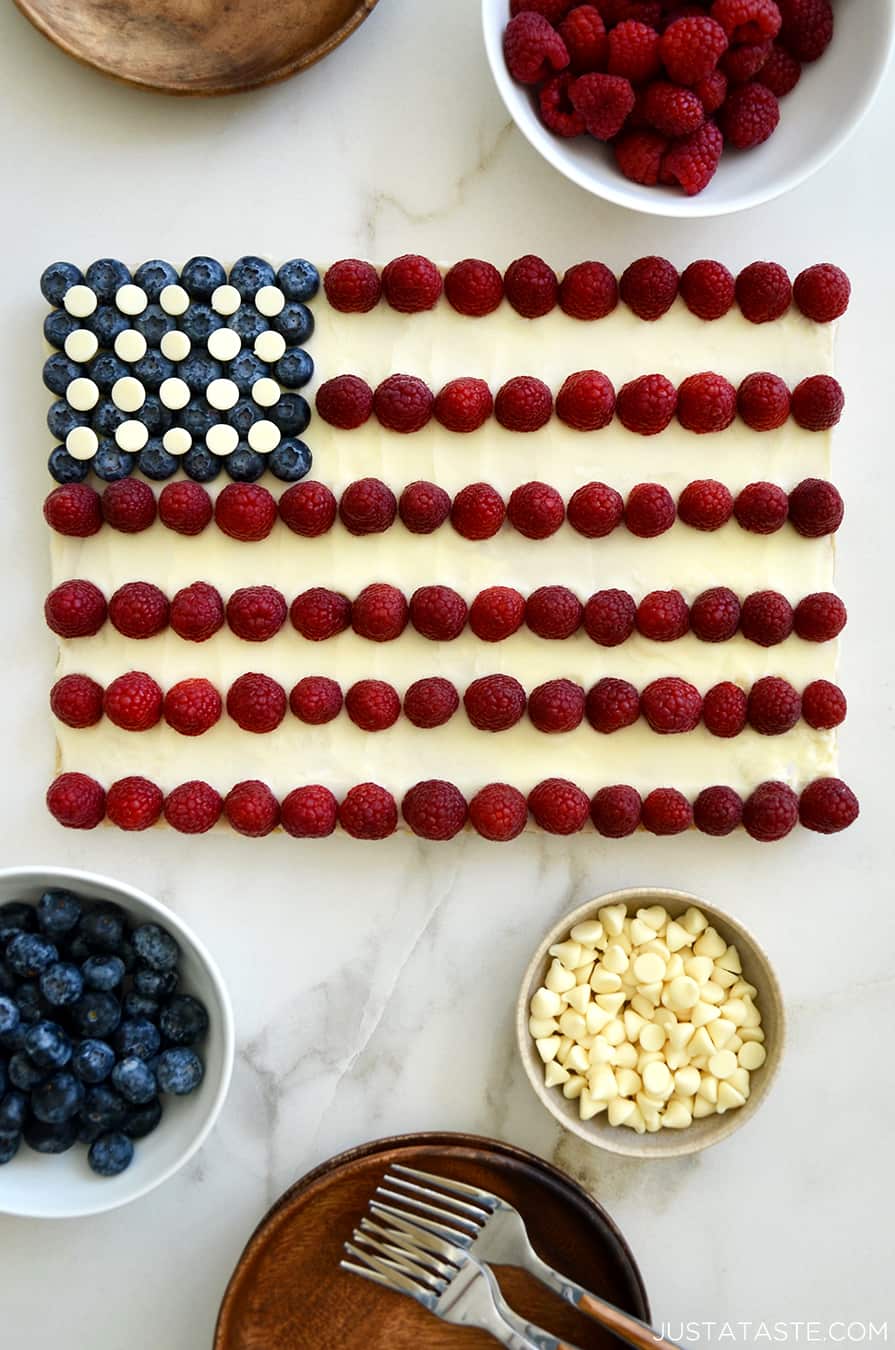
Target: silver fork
[(493, 1231)]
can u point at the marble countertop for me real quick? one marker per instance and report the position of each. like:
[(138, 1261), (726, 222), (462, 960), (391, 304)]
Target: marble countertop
[(356, 999)]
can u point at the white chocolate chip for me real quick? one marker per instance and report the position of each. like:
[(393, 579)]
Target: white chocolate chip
[(655, 916), (724, 978), (615, 959), (694, 921), (82, 443), (131, 299), (751, 1033), (703, 1013), (222, 439), (225, 300), (572, 1024), (686, 1081), (269, 346), (81, 345), (569, 953), (612, 917), (601, 1052), (547, 1048), (131, 436), (544, 1003), (736, 1009), (587, 1107), (128, 394), (223, 344), (680, 1035), (266, 393), (566, 1045), (559, 979), (601, 1083), (130, 346), (728, 1097), (82, 394), (269, 301), (639, 932), (674, 967), (222, 394), (740, 1080), (628, 1080), (611, 1003), (175, 345), (682, 993), (657, 1080), (702, 1108), (614, 1031), (588, 932), (677, 937), (633, 1024), (700, 1044), (264, 436), (708, 1088), (583, 973), (177, 440), (578, 997), (652, 1036), (676, 1115), (574, 1088), (174, 300), (80, 301), (712, 993), (720, 1032), (723, 1063), (699, 968), (578, 1060), (555, 1074), (752, 1056), (643, 1007), (710, 943), (651, 992), (537, 1026), (620, 1111), (730, 960), (596, 1019)]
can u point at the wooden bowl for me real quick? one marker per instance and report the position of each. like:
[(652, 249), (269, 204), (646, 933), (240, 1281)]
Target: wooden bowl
[(197, 46), (288, 1290), (701, 1134)]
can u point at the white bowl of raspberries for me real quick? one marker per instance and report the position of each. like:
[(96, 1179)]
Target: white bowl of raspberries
[(688, 109)]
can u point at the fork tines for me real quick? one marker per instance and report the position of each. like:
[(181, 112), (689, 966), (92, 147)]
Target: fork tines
[(402, 1255), (457, 1220)]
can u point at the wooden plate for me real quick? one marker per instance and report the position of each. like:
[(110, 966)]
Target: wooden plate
[(197, 46), (288, 1290)]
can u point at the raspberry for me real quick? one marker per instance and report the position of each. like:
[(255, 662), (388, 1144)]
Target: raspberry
[(823, 705), (372, 705), (319, 613), (252, 809), (615, 811), (828, 805), (558, 806), (586, 401), (558, 112), (817, 402), (494, 702), (379, 613), (531, 286), (192, 706), (715, 615), (77, 700), (345, 401), (352, 286), (780, 71), (662, 616), (763, 401), (309, 812), (496, 613), (134, 803), (683, 9), (633, 51), (524, 403), (740, 63), (316, 699), (766, 618), (367, 506), (438, 613), (128, 505), (707, 289), (671, 705), (133, 701), (184, 507), (763, 291), (536, 510), (649, 510), (646, 405), (477, 511), (588, 290), (672, 109), (553, 612), (724, 709), (612, 704), (761, 508), (556, 706), (193, 807), (138, 609), (648, 286), (245, 511), (822, 292), (665, 810), (621, 11), (431, 702), (533, 49), (74, 509), (197, 612), (693, 159), (584, 33), (411, 283), (819, 617), (706, 402), (76, 801), (434, 809), (691, 48), (474, 287), (609, 617), (464, 405), (256, 703), (256, 613), (308, 509), (712, 92), (807, 27), (639, 155), (717, 811), (770, 812), (749, 116), (368, 811), (705, 504), (595, 510), (604, 101), (75, 609), (423, 507), (498, 812), (552, 10), (774, 706), (403, 403), (747, 20)]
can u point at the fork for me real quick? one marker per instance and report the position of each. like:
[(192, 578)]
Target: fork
[(494, 1232)]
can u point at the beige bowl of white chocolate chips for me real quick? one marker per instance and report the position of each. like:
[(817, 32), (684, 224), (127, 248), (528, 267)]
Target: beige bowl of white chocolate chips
[(650, 1023)]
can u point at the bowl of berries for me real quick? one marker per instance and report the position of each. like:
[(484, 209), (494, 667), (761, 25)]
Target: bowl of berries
[(688, 109), (116, 1043)]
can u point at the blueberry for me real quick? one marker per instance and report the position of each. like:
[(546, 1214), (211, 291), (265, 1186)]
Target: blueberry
[(44, 1138), (294, 368), (62, 418), (58, 278), (197, 417), (125, 950), (134, 1079), (58, 325), (23, 1074), (155, 462), (64, 468), (8, 981), (290, 461), (110, 1154), (142, 1120), (58, 912), (107, 322), (103, 927), (13, 1112), (153, 324), (155, 947), (248, 323), (61, 984), (28, 999), (155, 983), (135, 1004), (137, 1038), (96, 1014), (109, 463), (9, 1015), (290, 413), (14, 1041), (249, 274), (154, 276), (106, 418), (79, 949), (179, 1071), (201, 465), (57, 1098), (105, 369), (199, 369), (27, 954), (151, 370), (244, 413), (59, 371), (47, 1045), (298, 279), (245, 465), (15, 917), (245, 369), (199, 322), (183, 1020), (103, 972), (106, 275), (92, 1061), (295, 321), (4, 1078), (103, 1107), (201, 276), (9, 1147), (155, 417)]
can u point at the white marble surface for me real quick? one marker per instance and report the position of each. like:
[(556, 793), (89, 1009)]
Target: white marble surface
[(373, 985)]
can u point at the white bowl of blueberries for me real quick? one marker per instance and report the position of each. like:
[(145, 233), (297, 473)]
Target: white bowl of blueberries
[(116, 1043)]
